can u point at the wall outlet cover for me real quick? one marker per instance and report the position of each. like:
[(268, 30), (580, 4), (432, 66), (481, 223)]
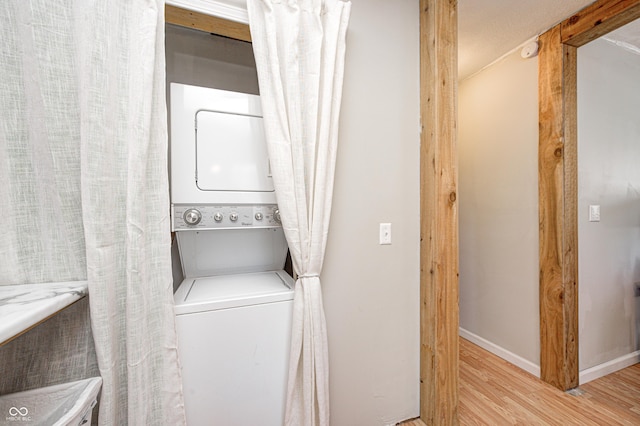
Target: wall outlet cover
[(385, 233)]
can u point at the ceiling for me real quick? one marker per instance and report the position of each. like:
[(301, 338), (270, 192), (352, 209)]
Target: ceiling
[(488, 29)]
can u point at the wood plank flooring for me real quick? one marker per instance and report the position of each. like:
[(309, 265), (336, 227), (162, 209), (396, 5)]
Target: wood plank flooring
[(494, 392)]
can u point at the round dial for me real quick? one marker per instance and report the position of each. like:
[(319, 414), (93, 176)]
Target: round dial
[(218, 217), (258, 216), (233, 216), (276, 215), (192, 217)]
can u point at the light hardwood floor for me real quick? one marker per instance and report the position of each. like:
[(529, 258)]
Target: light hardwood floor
[(494, 392)]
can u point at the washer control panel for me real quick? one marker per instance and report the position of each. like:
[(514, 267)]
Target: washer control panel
[(208, 216)]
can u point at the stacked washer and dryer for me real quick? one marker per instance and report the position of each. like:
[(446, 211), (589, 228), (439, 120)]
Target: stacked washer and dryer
[(234, 306)]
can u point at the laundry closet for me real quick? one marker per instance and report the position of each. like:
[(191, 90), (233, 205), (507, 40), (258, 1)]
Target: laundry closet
[(234, 299)]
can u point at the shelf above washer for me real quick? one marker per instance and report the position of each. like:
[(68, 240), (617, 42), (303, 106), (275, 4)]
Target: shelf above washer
[(24, 306)]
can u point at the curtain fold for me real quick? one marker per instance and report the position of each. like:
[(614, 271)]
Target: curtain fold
[(84, 173), (125, 203), (299, 47)]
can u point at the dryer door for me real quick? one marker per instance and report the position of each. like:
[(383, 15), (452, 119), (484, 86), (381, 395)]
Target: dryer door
[(231, 153)]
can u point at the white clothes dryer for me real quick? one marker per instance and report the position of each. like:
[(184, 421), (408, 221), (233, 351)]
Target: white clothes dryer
[(234, 306), (218, 149)]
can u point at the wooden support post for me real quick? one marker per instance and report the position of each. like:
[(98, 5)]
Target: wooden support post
[(557, 186), (439, 213)]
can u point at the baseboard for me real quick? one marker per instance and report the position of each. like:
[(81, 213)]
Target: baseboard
[(514, 359), (609, 367), (586, 376)]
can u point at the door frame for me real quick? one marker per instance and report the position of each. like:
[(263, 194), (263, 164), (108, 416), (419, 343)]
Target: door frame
[(558, 182), (206, 23)]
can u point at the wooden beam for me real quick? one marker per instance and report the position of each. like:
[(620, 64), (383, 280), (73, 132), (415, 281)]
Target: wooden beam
[(570, 220), (598, 19), (557, 186), (438, 213), (207, 23)]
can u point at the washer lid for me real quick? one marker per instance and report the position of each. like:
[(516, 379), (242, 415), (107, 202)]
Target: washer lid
[(231, 291)]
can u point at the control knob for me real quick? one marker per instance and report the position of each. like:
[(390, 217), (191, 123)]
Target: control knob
[(258, 216), (233, 216), (218, 217), (192, 217), (276, 215)]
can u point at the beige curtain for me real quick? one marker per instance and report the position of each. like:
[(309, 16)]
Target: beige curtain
[(42, 238), (299, 47), (84, 173)]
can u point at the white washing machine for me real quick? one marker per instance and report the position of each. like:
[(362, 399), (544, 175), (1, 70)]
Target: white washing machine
[(234, 306)]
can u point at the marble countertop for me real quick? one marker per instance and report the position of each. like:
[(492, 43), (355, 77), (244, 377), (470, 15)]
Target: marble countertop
[(25, 305)]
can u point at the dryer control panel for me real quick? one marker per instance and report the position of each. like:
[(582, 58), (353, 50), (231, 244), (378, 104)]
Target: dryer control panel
[(207, 216)]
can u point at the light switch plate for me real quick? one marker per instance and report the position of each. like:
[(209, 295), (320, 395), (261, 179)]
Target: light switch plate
[(594, 213), (385, 233)]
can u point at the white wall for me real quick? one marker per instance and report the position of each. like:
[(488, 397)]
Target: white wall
[(609, 176), (498, 179), (498, 209), (371, 292)]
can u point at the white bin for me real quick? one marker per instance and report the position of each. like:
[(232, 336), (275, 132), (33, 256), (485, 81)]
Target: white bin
[(59, 405)]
